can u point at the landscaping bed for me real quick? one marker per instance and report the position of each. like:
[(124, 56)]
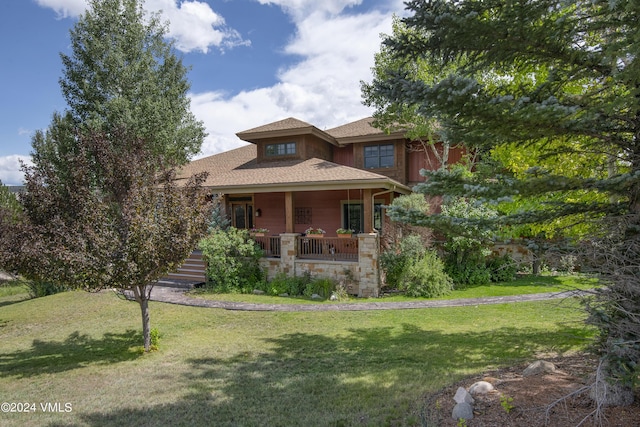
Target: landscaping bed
[(532, 401)]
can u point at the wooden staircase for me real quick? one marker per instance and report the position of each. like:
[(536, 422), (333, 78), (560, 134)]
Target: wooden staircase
[(192, 270)]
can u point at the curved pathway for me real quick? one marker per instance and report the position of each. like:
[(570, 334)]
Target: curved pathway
[(175, 294)]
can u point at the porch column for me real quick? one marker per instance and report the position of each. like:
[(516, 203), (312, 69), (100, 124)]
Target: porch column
[(288, 253), (288, 212), (368, 210), (368, 264)]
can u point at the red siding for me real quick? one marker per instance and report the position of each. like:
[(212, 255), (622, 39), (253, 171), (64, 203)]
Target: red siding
[(325, 210), (418, 160), (271, 207), (343, 155)]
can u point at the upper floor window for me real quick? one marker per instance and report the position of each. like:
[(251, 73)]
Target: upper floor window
[(282, 149), (378, 156)]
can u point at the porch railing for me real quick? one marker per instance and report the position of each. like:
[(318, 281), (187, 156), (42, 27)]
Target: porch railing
[(270, 245), (328, 248)]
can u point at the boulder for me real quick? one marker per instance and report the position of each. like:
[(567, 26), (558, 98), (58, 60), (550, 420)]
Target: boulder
[(462, 395), (539, 367), (481, 387), (462, 410)]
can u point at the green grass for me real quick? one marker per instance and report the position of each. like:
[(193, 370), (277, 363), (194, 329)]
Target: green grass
[(11, 292), (230, 368), (522, 285)]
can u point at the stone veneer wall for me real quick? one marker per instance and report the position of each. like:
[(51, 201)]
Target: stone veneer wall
[(365, 272)]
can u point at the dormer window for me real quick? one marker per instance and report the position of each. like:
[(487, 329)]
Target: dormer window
[(379, 156), (281, 149)]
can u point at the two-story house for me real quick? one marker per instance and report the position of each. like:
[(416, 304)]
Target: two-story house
[(293, 176)]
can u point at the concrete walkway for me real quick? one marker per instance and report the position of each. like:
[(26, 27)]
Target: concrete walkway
[(174, 293)]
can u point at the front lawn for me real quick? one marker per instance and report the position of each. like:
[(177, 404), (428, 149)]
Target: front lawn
[(230, 368)]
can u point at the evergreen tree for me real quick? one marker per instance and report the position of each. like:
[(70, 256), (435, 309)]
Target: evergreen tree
[(559, 83)]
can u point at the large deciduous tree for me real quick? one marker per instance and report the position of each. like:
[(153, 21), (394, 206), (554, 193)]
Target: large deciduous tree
[(122, 72), (559, 83), (102, 208), (123, 235)]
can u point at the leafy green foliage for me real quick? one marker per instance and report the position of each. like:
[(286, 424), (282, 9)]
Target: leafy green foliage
[(396, 260), (283, 284), (468, 274), (503, 268), (40, 288), (410, 267), (9, 205), (123, 73), (468, 235), (232, 259), (155, 339), (426, 277)]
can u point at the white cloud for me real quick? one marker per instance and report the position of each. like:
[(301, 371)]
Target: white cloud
[(10, 173), (298, 9), (193, 24), (65, 8)]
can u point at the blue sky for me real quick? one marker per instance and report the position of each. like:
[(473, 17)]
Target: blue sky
[(252, 62)]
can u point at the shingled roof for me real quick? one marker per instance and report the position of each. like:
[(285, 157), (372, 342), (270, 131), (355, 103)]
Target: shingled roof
[(236, 171), (360, 131), (287, 127)]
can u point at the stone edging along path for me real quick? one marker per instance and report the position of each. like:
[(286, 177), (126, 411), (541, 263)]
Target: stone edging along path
[(176, 295)]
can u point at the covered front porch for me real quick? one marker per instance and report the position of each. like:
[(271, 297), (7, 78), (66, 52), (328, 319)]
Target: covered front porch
[(277, 212), (284, 218)]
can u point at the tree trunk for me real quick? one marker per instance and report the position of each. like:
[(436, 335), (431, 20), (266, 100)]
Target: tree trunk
[(144, 308), (536, 265)]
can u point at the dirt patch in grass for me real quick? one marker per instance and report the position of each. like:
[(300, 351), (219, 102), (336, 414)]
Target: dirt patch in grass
[(525, 401)]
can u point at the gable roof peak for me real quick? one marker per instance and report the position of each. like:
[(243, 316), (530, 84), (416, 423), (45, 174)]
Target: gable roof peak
[(286, 127), (284, 124)]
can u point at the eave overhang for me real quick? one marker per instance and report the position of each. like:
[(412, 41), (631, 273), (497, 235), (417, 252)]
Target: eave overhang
[(388, 184)]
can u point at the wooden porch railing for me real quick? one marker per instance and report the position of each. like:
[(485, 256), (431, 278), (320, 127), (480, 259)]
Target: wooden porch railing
[(328, 248), (270, 245)]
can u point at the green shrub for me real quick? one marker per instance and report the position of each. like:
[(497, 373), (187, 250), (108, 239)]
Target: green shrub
[(427, 278), (321, 286), (232, 259), (281, 284), (397, 260), (465, 275), (155, 338), (303, 285), (502, 269), (41, 288)]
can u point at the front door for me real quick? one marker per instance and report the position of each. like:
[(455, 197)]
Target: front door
[(242, 216)]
